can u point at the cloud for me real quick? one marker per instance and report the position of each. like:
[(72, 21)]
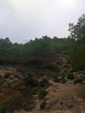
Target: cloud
[(23, 20)]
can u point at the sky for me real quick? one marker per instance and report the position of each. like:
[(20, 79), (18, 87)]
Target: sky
[(23, 20)]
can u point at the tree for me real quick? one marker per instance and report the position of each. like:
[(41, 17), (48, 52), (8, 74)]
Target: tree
[(77, 51), (78, 30)]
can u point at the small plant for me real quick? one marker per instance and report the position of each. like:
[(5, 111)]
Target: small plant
[(7, 75), (41, 74), (42, 106), (29, 81), (64, 81), (49, 74), (53, 67), (29, 107), (78, 81), (42, 93), (16, 75), (3, 107), (15, 103), (57, 78), (44, 82), (35, 90), (70, 76)]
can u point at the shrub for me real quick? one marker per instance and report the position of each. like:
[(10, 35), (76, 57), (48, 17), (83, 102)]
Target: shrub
[(42, 93), (70, 76), (78, 81), (44, 82), (42, 106), (28, 107), (35, 90), (60, 79), (29, 81), (53, 67), (3, 107), (59, 62), (64, 81), (7, 75), (49, 74), (16, 75), (15, 103), (57, 78), (41, 74)]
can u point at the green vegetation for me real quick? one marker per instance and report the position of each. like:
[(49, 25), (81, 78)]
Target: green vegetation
[(42, 93), (29, 81), (41, 54), (77, 51), (35, 90), (29, 107), (33, 86), (16, 103), (53, 67), (3, 107), (44, 82), (42, 106), (78, 81), (7, 75), (70, 76), (39, 51), (16, 75)]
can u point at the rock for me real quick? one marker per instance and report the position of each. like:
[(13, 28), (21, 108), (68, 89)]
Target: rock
[(11, 77), (54, 91), (51, 104), (59, 77), (69, 104), (84, 82), (9, 83)]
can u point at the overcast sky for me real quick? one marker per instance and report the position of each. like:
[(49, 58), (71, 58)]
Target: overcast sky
[(22, 20)]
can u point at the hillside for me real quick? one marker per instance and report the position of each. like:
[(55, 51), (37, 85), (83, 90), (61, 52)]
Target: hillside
[(63, 95), (45, 75)]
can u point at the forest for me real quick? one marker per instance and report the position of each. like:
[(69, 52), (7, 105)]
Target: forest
[(44, 49)]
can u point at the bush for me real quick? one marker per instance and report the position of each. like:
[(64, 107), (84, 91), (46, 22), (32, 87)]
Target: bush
[(44, 82), (7, 75), (42, 93), (35, 90), (41, 74), (42, 106), (70, 76), (64, 81), (58, 78), (53, 67), (29, 81), (49, 74), (15, 103), (29, 107), (78, 81), (3, 107), (16, 75)]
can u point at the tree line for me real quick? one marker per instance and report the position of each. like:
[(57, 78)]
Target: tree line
[(45, 49)]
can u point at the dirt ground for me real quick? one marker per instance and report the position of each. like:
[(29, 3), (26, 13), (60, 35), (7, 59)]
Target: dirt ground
[(63, 93)]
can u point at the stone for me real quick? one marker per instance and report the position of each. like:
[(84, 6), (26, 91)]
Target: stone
[(84, 82), (69, 104), (59, 77)]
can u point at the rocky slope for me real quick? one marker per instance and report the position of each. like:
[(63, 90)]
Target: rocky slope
[(64, 94)]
